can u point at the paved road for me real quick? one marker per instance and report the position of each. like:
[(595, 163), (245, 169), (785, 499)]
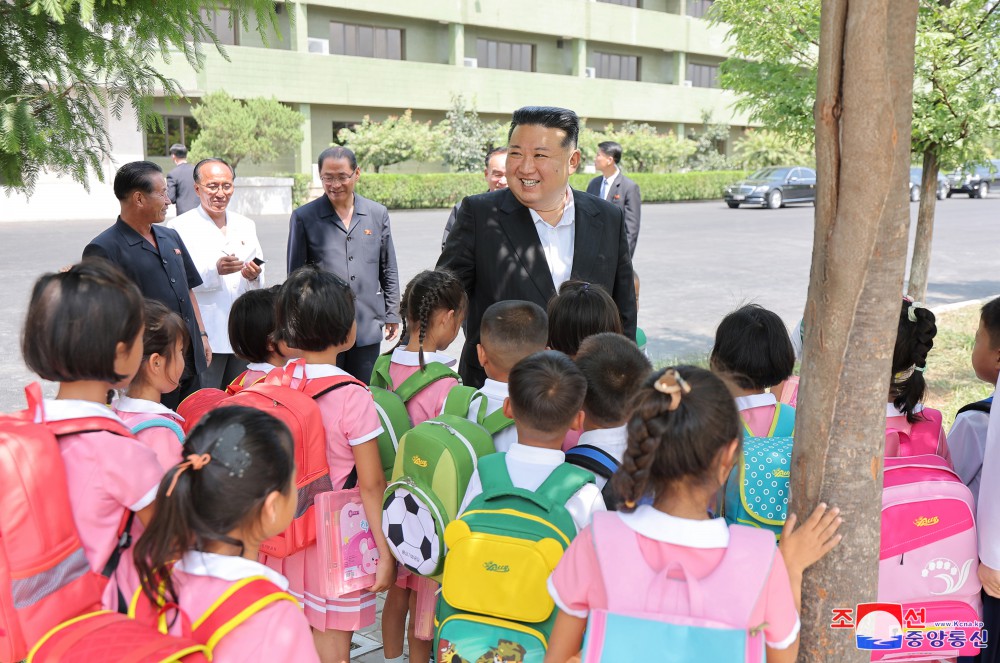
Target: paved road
[(697, 261)]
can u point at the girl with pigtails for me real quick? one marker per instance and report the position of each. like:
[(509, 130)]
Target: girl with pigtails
[(911, 428), (433, 308), (198, 555), (683, 438)]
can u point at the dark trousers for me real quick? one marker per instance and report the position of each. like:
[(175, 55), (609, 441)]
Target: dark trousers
[(359, 361), (991, 624), (224, 369), (190, 383)]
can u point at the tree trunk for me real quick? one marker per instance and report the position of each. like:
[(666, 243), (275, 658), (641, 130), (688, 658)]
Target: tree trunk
[(863, 118), (920, 263)]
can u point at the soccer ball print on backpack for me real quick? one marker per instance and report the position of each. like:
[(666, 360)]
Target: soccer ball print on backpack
[(501, 552)]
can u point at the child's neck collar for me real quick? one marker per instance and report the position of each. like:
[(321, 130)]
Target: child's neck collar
[(94, 391), (328, 356)]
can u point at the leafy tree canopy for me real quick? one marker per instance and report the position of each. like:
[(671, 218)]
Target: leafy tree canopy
[(396, 139), (255, 130), (464, 139)]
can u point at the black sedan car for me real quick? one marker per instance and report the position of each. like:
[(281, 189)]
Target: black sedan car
[(774, 187), (976, 182)]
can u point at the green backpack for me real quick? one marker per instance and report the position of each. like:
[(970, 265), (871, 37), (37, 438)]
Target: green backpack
[(462, 400), (390, 402), (494, 598), (435, 461)]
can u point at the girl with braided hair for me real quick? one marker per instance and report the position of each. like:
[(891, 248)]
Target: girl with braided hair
[(911, 428), (684, 436)]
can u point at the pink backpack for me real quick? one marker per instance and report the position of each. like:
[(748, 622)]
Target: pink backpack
[(929, 560), (681, 616), (919, 439)]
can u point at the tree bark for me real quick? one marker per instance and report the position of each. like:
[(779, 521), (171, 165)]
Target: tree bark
[(920, 263), (863, 121)]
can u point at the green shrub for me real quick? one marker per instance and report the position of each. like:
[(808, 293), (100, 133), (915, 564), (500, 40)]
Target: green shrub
[(669, 187), (300, 187)]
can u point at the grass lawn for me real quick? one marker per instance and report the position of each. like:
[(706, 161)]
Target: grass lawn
[(951, 383)]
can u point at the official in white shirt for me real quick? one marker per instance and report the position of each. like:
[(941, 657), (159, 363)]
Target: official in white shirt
[(224, 247)]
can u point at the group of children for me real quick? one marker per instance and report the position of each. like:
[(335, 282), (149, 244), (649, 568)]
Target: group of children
[(568, 379)]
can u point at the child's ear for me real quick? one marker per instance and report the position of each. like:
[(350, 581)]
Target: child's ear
[(269, 514), (508, 411), (727, 458), (481, 354), (578, 421), (157, 362)]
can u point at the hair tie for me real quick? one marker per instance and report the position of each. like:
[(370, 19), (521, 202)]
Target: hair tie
[(195, 462), (920, 369), (586, 287), (672, 384), (911, 313)]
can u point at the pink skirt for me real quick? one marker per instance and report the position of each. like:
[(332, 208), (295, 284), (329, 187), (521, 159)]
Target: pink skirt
[(349, 612)]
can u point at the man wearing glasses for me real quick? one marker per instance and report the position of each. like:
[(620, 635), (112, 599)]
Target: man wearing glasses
[(224, 248), (349, 235)]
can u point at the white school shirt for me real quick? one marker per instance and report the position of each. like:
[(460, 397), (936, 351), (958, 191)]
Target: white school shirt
[(612, 440), (558, 241), (755, 400), (967, 445), (988, 510), (144, 406), (528, 468), (495, 393), (206, 243)]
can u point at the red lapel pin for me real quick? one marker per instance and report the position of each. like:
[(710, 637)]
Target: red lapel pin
[(368, 232), (617, 196), (177, 251)]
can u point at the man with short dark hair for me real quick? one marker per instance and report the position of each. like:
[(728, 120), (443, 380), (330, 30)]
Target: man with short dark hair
[(524, 241), (156, 259), (349, 235), (614, 187), (496, 178), (180, 181)]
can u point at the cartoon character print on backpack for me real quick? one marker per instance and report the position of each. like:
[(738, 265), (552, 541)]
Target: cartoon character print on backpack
[(505, 652)]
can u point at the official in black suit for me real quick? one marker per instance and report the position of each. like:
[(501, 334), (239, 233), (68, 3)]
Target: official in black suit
[(614, 187), (157, 260), (496, 178), (523, 242), (180, 181), (349, 235)]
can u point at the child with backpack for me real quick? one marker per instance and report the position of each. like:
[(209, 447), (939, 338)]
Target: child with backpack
[(614, 368), (967, 437), (234, 489), (154, 424), (911, 428), (580, 310), (84, 330), (251, 324), (510, 331), (315, 316), (684, 436), (752, 348)]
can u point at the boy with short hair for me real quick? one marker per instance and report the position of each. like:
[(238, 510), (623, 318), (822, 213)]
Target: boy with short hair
[(510, 331), (614, 369), (967, 438), (546, 397)]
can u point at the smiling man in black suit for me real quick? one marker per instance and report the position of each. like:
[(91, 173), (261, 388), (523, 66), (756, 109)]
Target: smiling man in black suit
[(523, 242)]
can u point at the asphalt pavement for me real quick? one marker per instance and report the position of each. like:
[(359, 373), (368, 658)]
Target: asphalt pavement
[(696, 261)]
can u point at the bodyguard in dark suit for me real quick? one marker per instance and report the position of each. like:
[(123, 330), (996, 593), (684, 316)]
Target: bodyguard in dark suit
[(349, 235), (523, 242), (156, 259), (180, 181), (614, 187)]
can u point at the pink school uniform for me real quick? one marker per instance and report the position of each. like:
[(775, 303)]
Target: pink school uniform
[(577, 586), (896, 421), (349, 419), (279, 632), (757, 412), (163, 441), (430, 402), (107, 474)]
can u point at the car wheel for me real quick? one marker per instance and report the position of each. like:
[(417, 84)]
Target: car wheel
[(914, 194), (983, 190), (774, 200), (942, 194), (732, 205), (948, 195)]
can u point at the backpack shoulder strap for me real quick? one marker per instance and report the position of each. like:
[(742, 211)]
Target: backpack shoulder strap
[(979, 406), (496, 421), (380, 373), (160, 422), (783, 424), (493, 473), (420, 380), (459, 400), (317, 387), (88, 425), (563, 483), (236, 605), (594, 459), (617, 551), (238, 383)]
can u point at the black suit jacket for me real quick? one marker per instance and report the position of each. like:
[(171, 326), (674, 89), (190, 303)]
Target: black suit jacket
[(180, 188), (625, 195), (494, 249)]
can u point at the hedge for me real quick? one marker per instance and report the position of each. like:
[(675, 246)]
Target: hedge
[(445, 189)]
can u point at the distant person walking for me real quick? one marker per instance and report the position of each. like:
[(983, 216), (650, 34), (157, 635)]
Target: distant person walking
[(614, 187), (496, 178), (223, 246), (155, 258), (180, 181), (349, 235)]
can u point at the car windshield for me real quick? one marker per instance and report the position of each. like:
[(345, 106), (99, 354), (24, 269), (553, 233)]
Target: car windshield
[(771, 174), (915, 173)]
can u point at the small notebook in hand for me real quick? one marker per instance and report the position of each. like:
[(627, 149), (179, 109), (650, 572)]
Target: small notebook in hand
[(345, 542)]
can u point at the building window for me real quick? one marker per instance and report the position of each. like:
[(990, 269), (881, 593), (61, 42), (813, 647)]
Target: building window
[(620, 67), (505, 55), (698, 8), (703, 75), (366, 41), (224, 24), (624, 3), (176, 129)]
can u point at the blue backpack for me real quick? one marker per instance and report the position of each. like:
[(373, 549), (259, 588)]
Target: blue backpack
[(757, 491)]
